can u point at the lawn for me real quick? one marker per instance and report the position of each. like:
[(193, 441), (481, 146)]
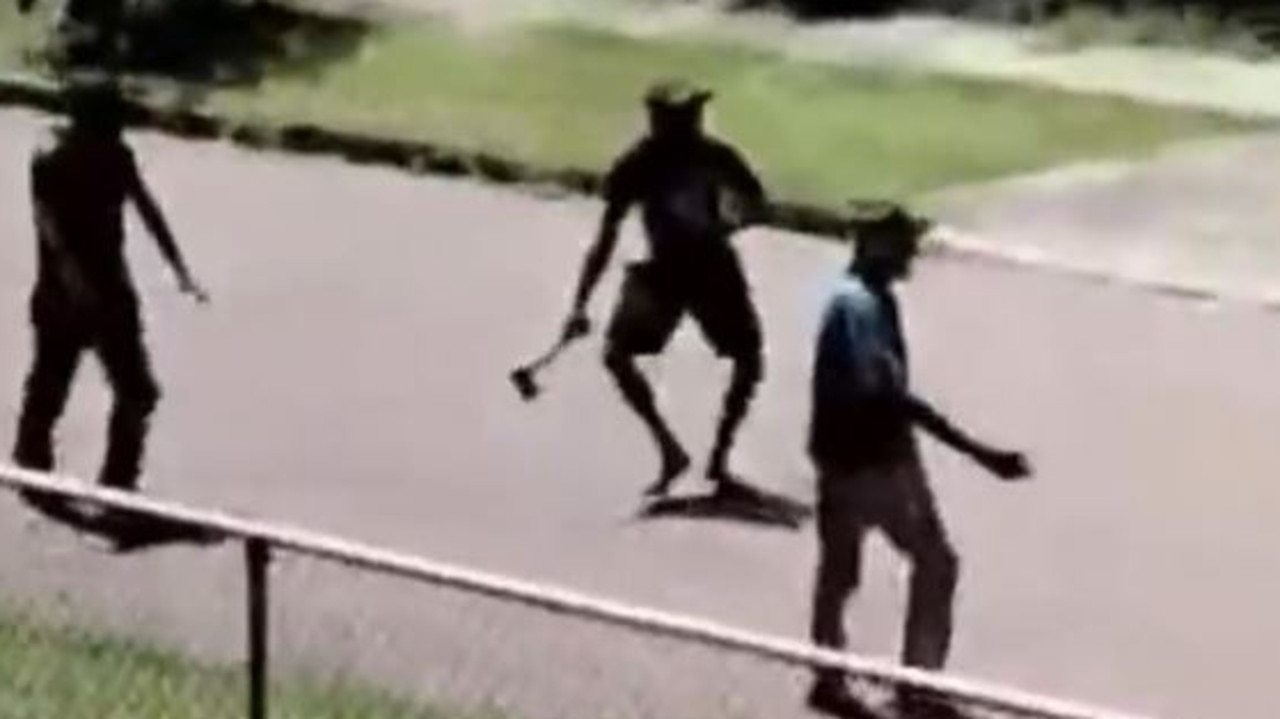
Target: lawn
[(51, 671), (562, 96)]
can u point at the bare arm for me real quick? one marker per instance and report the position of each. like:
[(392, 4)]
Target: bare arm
[(619, 193), (1003, 464), (598, 256), (926, 417), (748, 187), (156, 223)]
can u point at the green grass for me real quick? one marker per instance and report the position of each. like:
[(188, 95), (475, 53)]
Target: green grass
[(560, 96), (49, 671)]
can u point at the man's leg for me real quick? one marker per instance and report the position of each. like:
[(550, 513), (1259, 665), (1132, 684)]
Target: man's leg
[(840, 539), (729, 321), (639, 397), (128, 368), (748, 370), (124, 356), (56, 357), (916, 529), (642, 324)]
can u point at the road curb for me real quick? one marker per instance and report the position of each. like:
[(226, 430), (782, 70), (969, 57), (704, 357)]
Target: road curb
[(419, 157), (959, 245)]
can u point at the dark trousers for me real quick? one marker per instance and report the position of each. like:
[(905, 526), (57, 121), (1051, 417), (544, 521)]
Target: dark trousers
[(894, 498), (61, 338)]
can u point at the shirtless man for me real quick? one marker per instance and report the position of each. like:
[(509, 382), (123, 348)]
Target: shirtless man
[(678, 175)]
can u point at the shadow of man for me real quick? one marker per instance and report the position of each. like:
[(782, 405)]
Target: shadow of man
[(745, 503)]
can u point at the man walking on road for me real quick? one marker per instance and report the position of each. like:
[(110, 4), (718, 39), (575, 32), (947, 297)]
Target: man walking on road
[(84, 297), (870, 474), (680, 178)]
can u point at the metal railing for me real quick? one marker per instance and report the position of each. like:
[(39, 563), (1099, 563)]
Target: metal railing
[(262, 540)]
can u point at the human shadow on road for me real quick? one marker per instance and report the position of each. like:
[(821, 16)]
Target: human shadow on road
[(125, 532), (209, 44), (748, 504)]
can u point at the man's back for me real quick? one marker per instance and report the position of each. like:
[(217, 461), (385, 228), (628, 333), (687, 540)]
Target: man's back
[(83, 185)]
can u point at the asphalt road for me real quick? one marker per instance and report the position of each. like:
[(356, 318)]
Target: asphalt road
[(350, 376)]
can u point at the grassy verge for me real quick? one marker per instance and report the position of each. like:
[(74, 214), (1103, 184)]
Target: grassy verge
[(560, 96), (57, 672)]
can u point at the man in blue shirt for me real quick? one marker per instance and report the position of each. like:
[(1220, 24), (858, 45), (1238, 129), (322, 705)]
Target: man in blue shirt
[(871, 476)]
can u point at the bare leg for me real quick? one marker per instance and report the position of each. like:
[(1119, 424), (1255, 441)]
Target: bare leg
[(136, 394), (748, 370), (639, 397)]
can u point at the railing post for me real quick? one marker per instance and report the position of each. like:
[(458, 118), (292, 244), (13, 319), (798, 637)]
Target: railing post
[(257, 557)]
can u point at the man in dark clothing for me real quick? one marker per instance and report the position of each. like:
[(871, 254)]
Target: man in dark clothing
[(84, 297), (871, 476), (686, 184)]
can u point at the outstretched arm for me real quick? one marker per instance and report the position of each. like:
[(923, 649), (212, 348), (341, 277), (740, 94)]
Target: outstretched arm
[(881, 379), (1003, 464)]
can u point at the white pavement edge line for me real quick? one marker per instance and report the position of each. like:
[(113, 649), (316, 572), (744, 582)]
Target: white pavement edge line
[(556, 599), (947, 241)]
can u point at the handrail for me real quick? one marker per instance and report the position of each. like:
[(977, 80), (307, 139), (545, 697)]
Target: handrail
[(555, 599)]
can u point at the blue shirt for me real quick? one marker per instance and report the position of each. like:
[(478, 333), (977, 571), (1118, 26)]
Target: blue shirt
[(859, 374)]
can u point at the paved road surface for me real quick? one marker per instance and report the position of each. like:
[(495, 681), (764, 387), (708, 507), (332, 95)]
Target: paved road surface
[(350, 377)]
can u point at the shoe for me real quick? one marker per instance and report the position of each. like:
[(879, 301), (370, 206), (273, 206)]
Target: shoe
[(734, 489), (130, 532), (834, 699), (51, 505), (917, 704)]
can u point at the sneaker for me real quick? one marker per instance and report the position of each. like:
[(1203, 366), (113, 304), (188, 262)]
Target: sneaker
[(51, 505), (916, 704), (130, 532), (834, 699)]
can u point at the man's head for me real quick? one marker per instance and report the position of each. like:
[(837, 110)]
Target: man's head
[(887, 240), (675, 108), (96, 107)]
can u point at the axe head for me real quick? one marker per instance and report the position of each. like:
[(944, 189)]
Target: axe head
[(523, 379)]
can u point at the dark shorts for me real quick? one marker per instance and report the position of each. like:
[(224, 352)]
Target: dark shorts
[(653, 301)]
